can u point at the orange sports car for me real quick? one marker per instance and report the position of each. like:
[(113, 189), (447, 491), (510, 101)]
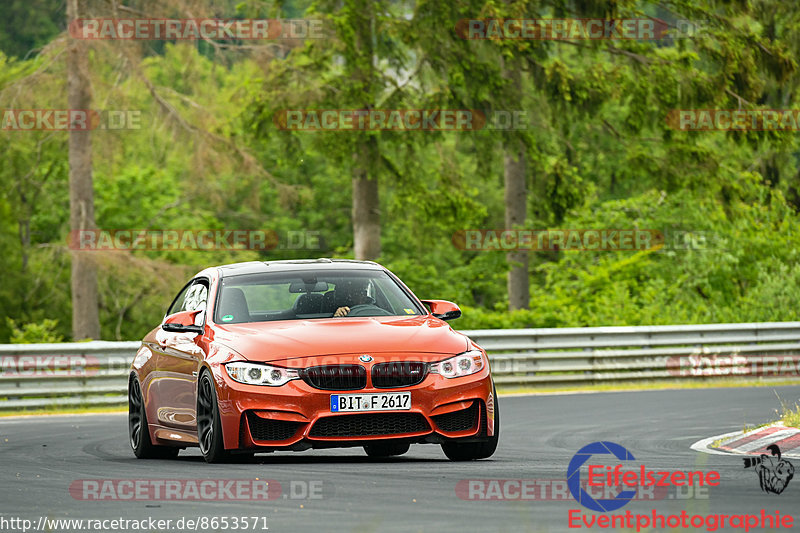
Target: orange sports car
[(290, 355)]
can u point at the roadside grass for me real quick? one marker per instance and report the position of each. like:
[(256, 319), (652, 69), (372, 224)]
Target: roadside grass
[(792, 418), (788, 415), (713, 383), (89, 409)]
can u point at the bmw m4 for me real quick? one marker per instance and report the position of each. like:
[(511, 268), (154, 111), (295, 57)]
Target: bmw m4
[(290, 355)]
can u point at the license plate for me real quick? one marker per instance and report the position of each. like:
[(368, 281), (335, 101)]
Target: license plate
[(387, 401)]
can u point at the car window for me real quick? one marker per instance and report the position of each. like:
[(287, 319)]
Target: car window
[(269, 297), (192, 297), (196, 298), (309, 295)]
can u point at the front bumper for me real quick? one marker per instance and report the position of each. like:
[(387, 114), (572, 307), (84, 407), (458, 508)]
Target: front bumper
[(297, 416)]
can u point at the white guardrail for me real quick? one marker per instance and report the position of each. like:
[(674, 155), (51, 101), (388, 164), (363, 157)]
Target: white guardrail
[(94, 373)]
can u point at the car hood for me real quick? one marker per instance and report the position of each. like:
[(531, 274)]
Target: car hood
[(286, 339)]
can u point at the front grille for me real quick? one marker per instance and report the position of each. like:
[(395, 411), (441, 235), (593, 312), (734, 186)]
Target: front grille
[(369, 424), (398, 374), (266, 429), (458, 420), (335, 377)]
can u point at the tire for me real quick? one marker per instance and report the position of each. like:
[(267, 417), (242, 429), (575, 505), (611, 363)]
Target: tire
[(469, 451), (386, 449), (209, 428), (138, 432)]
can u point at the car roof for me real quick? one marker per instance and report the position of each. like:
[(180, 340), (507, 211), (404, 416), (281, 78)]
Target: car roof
[(289, 265)]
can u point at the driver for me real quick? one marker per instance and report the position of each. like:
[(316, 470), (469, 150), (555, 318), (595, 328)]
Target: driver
[(355, 292)]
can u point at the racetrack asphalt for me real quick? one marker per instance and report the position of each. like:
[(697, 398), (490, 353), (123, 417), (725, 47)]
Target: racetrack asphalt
[(43, 456)]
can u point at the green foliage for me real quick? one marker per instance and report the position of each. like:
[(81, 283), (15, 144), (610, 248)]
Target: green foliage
[(600, 155), (790, 416), (29, 24), (38, 332)]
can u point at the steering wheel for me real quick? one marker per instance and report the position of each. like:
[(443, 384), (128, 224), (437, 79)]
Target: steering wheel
[(367, 310)]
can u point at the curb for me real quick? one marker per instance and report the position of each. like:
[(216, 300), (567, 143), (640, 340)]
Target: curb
[(753, 442)]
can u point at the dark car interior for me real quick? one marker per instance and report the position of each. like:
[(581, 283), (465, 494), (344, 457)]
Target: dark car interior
[(315, 300)]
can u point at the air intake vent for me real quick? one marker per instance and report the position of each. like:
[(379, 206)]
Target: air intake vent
[(398, 374), (271, 430), (367, 425), (458, 420), (335, 377)]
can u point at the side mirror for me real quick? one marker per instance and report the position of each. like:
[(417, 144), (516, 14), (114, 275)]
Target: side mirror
[(443, 309), (182, 322)]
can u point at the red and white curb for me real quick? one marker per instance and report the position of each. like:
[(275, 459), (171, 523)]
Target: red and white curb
[(753, 442)]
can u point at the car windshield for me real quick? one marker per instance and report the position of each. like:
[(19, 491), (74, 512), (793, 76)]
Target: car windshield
[(309, 295)]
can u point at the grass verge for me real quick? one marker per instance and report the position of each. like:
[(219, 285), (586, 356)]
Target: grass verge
[(787, 415), (89, 409), (646, 385), (790, 416)]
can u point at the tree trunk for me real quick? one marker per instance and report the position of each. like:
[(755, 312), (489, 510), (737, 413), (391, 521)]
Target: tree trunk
[(366, 197), (516, 200), (85, 316), (366, 209)]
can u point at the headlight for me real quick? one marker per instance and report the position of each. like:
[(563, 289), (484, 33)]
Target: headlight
[(258, 374), (462, 364)]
